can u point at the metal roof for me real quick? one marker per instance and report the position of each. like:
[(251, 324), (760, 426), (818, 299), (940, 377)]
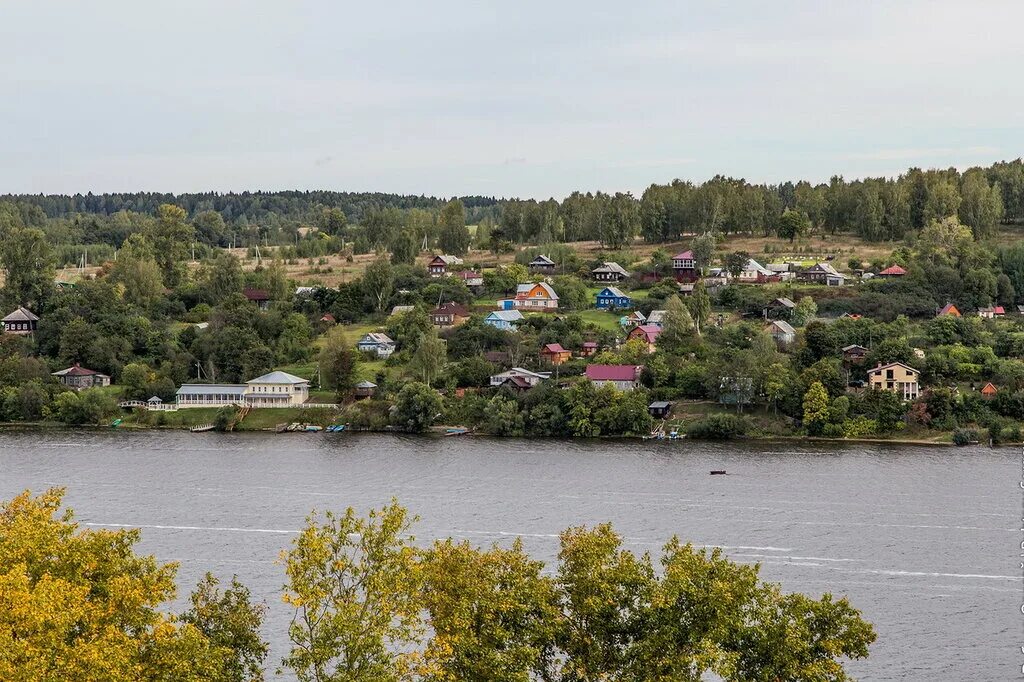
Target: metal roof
[(210, 389), (278, 377)]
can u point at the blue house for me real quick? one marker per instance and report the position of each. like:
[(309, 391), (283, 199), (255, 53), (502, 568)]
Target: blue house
[(504, 319), (613, 297)]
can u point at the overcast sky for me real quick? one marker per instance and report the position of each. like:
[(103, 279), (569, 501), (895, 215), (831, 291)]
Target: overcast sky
[(504, 98)]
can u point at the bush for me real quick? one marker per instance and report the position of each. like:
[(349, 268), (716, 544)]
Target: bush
[(718, 427), (965, 436)]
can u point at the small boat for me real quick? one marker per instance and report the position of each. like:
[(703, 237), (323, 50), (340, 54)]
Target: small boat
[(456, 432), (718, 472), (311, 427), (116, 423), (202, 427), (335, 428)]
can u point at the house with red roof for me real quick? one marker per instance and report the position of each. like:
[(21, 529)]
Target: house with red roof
[(589, 348), (471, 278), (950, 310), (621, 377), (78, 378), (555, 354), (892, 271), (989, 390), (684, 267), (648, 333)]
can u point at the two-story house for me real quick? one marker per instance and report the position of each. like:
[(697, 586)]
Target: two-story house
[(21, 322), (450, 314), (535, 296), (903, 379), (542, 264), (438, 265), (378, 343), (684, 267), (609, 272), (613, 297)]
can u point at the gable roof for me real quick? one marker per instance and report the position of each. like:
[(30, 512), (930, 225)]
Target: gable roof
[(611, 291), (256, 294), (505, 315), (553, 348), (21, 314), (648, 331), (656, 317), (447, 259), (379, 338), (613, 372), (989, 389), (893, 271), (402, 309), (469, 274), (523, 290), (278, 377), (950, 309), (783, 326), (824, 267), (541, 259), (366, 384), (753, 265), (784, 302), (895, 364), (853, 346), (451, 308), (683, 255), (611, 266)]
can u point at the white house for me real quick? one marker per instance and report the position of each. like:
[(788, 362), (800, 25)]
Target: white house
[(276, 389), (532, 378)]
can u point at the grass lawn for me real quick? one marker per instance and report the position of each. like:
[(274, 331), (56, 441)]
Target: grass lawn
[(601, 318)]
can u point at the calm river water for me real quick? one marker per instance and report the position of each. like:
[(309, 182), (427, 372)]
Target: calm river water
[(923, 540)]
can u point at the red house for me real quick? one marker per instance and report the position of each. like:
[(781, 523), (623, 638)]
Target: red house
[(622, 377), (684, 267), (646, 332), (892, 271)]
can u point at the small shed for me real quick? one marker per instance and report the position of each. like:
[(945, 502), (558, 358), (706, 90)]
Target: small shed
[(659, 409), (989, 390), (365, 389)]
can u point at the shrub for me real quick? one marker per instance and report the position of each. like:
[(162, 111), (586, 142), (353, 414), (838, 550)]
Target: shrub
[(965, 437), (718, 427)]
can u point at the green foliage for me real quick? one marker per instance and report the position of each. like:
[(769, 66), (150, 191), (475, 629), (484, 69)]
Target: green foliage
[(965, 436), (454, 237), (718, 426), (416, 408), (338, 362), (92, 406), (816, 411)]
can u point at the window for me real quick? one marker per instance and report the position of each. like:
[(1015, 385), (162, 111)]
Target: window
[(888, 374)]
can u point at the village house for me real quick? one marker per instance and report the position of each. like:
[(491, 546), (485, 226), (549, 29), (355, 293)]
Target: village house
[(779, 309), (450, 314), (531, 378), (378, 343), (542, 264), (470, 278), (755, 273), (648, 333), (657, 318), (555, 354), (822, 273), (609, 272), (438, 265), (622, 377), (259, 297), (276, 389), (897, 377), (684, 267), (632, 319), (854, 354), (21, 322), (782, 332), (399, 309), (328, 319), (78, 377), (892, 271), (535, 296), (989, 390), (505, 320), (613, 297), (784, 271), (950, 310), (589, 348), (659, 409), (990, 312)]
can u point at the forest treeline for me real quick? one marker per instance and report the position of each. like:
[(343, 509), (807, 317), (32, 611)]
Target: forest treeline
[(875, 209)]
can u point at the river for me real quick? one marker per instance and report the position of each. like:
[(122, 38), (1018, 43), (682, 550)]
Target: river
[(923, 540)]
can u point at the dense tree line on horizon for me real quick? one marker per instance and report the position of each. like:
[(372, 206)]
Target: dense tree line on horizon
[(876, 209)]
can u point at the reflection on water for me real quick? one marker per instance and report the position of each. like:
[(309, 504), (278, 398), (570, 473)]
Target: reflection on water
[(923, 540)]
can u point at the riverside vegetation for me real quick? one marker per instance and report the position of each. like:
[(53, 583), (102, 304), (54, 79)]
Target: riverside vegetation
[(371, 605), (148, 289)]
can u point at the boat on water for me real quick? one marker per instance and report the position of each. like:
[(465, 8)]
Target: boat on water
[(335, 428), (456, 431), (202, 427)]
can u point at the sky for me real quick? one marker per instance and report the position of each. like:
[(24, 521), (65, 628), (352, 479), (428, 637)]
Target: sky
[(527, 99)]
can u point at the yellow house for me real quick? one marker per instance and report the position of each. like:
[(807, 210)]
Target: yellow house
[(896, 377)]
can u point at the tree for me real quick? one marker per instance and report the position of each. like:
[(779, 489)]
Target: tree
[(28, 267), (793, 224), (816, 409), (677, 327), (379, 283), (91, 406), (221, 277), (623, 222), (454, 236), (429, 357), (171, 237), (405, 248), (805, 311), (943, 201), (703, 248), (137, 271), (338, 363), (210, 228), (416, 408), (572, 292), (699, 304), (492, 612), (735, 262), (231, 622), (776, 383), (353, 584), (982, 205), (81, 605)]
